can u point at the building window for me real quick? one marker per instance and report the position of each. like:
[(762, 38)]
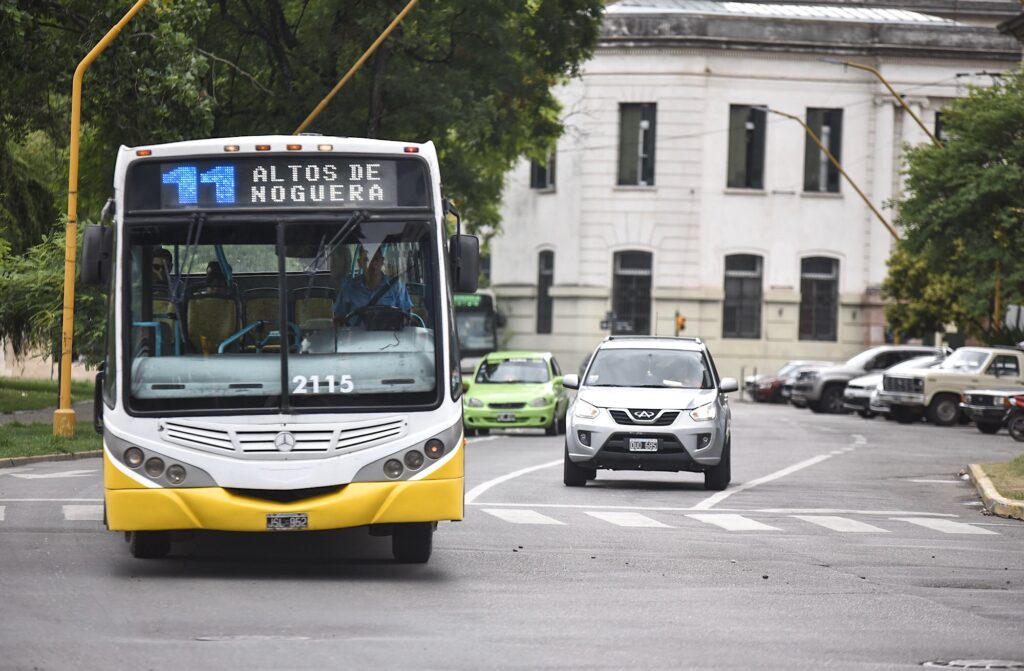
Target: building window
[(636, 144), (545, 278), (819, 173), (631, 293), (742, 312), (746, 147), (940, 130), (819, 298), (542, 175)]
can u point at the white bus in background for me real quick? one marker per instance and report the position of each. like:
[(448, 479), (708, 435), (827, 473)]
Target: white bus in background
[(234, 396), (476, 323)]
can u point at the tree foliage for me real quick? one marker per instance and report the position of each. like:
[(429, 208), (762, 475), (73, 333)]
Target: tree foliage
[(473, 76), (963, 221)]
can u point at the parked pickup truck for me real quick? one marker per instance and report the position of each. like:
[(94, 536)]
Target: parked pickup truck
[(989, 408), (935, 392), (821, 389)]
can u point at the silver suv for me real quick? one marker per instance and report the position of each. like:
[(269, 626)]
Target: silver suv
[(649, 403)]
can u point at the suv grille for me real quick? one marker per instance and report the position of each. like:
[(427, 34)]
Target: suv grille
[(664, 419), (903, 384)]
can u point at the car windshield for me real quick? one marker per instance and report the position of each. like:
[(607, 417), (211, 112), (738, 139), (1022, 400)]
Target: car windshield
[(964, 361), (787, 369), (512, 371), (616, 367)]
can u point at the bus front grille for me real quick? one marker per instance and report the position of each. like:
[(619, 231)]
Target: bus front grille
[(280, 441)]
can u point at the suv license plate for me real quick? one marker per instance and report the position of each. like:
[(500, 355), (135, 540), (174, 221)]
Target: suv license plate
[(643, 444), (506, 417), (287, 521)]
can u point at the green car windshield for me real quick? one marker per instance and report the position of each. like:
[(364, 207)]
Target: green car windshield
[(530, 371)]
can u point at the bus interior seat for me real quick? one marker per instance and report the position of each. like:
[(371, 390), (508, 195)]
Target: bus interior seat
[(312, 303), (165, 312), (212, 319), (262, 304)]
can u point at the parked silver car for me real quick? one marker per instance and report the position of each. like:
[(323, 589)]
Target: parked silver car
[(649, 403)]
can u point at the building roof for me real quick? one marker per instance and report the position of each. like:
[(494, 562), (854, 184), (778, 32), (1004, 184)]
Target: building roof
[(785, 11)]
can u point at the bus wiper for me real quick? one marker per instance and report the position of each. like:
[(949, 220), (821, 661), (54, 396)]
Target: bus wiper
[(195, 232), (324, 250)]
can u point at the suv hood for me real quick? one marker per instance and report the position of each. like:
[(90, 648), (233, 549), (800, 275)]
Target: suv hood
[(920, 372), (640, 397), (868, 381), (848, 372)]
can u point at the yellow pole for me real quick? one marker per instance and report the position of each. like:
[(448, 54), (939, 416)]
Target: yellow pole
[(64, 417), (832, 159), (354, 69), (897, 96)]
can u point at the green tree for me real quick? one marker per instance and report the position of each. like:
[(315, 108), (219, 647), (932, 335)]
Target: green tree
[(963, 221)]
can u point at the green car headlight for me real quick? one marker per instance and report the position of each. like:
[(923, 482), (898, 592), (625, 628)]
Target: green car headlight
[(474, 402), (539, 402)]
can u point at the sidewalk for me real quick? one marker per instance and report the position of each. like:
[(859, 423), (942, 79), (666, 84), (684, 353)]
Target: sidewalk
[(83, 412)]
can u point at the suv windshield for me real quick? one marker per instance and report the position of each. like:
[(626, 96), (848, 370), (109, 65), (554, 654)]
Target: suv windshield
[(616, 367), (965, 361), (530, 371)]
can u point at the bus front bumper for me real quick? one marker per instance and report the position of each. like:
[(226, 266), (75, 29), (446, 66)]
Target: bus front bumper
[(356, 504)]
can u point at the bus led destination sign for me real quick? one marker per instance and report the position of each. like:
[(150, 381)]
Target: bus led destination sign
[(277, 181)]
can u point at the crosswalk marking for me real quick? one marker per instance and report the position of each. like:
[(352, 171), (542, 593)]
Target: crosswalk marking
[(945, 526), (2, 509), (842, 524), (732, 522), (628, 519), (521, 516), (83, 513)]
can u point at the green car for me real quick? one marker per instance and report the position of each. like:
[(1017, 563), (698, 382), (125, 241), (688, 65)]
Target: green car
[(515, 390)]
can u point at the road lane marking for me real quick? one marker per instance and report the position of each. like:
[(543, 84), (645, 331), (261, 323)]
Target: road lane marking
[(733, 522), (676, 509), (945, 526), (842, 524), (721, 496), (482, 439), (80, 473), (940, 482), (522, 516), (623, 519), (480, 489), (859, 440), (2, 509), (44, 500), (77, 513)]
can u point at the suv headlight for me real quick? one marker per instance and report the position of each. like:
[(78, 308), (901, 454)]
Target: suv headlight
[(704, 413), (584, 410), (539, 402), (474, 402)]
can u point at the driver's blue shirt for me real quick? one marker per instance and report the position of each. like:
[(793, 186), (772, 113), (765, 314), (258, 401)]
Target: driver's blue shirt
[(355, 294)]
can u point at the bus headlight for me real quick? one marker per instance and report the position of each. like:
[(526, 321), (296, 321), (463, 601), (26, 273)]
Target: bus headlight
[(413, 460), (154, 467), (434, 448), (133, 456), (474, 402), (393, 468), (176, 474), (704, 413)]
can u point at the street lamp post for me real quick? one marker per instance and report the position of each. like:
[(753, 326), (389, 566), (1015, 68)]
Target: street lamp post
[(833, 161)]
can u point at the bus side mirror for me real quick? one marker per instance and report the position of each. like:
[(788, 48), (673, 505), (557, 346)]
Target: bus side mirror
[(97, 254), (501, 319), (464, 255)]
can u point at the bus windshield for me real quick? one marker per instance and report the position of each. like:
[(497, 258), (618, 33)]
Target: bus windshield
[(292, 313)]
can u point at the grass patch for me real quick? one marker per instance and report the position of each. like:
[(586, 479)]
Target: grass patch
[(1008, 477), (37, 439), (18, 394)]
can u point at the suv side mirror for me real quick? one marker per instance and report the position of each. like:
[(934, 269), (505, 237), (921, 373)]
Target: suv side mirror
[(571, 381), (727, 385), (97, 254)]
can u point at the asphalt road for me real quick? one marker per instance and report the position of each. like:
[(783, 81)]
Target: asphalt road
[(842, 543)]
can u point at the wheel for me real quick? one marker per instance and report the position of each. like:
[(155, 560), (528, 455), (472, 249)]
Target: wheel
[(482, 432), (717, 477), (552, 428), (866, 414), (412, 543), (148, 544), (831, 400), (576, 476), (1016, 427), (944, 410), (903, 414), (469, 432), (378, 317), (561, 424), (989, 427)]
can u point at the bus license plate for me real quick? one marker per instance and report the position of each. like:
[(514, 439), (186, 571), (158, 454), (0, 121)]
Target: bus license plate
[(506, 417), (643, 444), (287, 521)]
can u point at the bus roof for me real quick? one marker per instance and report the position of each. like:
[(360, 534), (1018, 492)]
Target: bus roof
[(280, 144)]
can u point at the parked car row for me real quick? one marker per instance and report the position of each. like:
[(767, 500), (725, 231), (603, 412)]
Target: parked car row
[(909, 383)]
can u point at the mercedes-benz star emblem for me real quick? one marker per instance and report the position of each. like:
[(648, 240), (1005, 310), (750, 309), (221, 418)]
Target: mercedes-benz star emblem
[(284, 442)]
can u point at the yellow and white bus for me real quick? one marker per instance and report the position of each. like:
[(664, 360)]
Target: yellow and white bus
[(281, 350)]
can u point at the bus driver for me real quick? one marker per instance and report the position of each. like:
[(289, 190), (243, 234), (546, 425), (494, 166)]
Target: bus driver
[(372, 287)]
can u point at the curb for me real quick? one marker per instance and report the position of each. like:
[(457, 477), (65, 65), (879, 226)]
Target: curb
[(9, 462), (994, 502)]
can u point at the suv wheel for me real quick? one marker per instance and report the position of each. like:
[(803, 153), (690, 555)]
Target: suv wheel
[(717, 477), (944, 410), (1016, 427), (831, 400), (576, 476)]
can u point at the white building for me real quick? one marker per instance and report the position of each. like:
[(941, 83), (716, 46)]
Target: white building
[(674, 190)]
